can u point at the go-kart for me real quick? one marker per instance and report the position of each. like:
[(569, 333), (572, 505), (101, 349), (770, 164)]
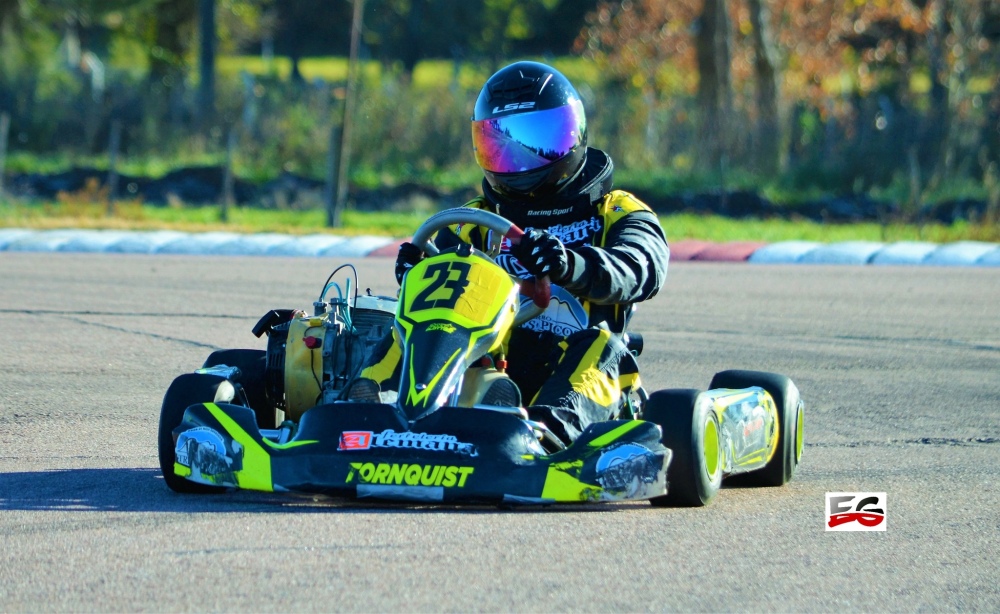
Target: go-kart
[(283, 419)]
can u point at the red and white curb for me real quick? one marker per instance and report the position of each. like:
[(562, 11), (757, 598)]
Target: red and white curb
[(961, 253)]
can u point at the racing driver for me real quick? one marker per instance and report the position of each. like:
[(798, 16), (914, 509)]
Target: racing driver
[(603, 250)]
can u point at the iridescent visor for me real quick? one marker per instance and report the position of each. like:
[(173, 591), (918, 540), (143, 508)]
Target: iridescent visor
[(527, 141)]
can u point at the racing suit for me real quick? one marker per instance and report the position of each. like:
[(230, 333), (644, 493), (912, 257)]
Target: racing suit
[(571, 362)]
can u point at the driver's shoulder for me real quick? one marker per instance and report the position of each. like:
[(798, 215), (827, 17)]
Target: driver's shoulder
[(480, 202), (469, 233), (619, 203)]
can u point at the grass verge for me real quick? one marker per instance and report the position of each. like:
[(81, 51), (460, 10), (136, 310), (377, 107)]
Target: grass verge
[(134, 216)]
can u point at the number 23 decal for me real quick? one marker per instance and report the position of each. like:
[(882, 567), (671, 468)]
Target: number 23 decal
[(441, 272)]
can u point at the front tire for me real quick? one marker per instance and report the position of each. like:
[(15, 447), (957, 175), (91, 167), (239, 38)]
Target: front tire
[(780, 469), (185, 391), (691, 431)]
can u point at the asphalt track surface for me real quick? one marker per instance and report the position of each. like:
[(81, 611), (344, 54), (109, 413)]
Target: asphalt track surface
[(899, 368)]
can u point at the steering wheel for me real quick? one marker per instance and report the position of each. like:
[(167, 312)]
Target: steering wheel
[(539, 290)]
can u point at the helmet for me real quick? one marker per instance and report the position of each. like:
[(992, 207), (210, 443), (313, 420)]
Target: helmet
[(529, 132)]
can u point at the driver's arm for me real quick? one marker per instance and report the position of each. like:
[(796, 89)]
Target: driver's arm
[(630, 267)]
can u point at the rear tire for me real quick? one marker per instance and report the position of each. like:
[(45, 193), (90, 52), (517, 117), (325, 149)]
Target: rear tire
[(185, 391), (252, 365), (780, 469), (691, 431)]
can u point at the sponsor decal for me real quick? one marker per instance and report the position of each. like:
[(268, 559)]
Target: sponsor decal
[(204, 451), (410, 475), (743, 426), (856, 511), (355, 440), (625, 467), (442, 326), (753, 426), (564, 315), (577, 232), (514, 106), (364, 440), (570, 234), (538, 212)]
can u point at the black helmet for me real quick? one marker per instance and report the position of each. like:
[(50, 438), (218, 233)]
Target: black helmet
[(529, 132)]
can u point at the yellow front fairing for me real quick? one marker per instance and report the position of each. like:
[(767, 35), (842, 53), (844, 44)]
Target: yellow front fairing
[(468, 291), (453, 308)]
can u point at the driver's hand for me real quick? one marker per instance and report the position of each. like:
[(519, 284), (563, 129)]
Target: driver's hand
[(542, 253), (409, 255)]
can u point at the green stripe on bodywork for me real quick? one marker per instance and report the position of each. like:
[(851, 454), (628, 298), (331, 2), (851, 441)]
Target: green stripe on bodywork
[(611, 436), (181, 470), (287, 445), (256, 472), (564, 488), (423, 397), (563, 485)]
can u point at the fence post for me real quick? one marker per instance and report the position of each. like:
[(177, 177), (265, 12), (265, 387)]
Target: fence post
[(4, 131), (330, 189), (114, 146), (345, 131), (228, 196)]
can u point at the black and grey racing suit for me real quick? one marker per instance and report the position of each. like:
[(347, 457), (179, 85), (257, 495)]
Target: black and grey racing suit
[(571, 364)]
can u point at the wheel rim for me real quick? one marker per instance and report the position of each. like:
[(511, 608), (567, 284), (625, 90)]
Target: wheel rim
[(710, 448), (798, 433)]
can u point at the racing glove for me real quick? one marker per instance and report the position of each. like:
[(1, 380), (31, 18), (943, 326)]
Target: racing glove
[(542, 253), (408, 257)]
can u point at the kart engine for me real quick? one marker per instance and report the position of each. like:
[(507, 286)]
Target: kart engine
[(310, 359)]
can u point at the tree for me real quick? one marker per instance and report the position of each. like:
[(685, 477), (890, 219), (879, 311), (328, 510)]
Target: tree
[(307, 27), (765, 62), (206, 61), (167, 34), (881, 49), (715, 91), (9, 10), (889, 46), (640, 42), (407, 31)]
